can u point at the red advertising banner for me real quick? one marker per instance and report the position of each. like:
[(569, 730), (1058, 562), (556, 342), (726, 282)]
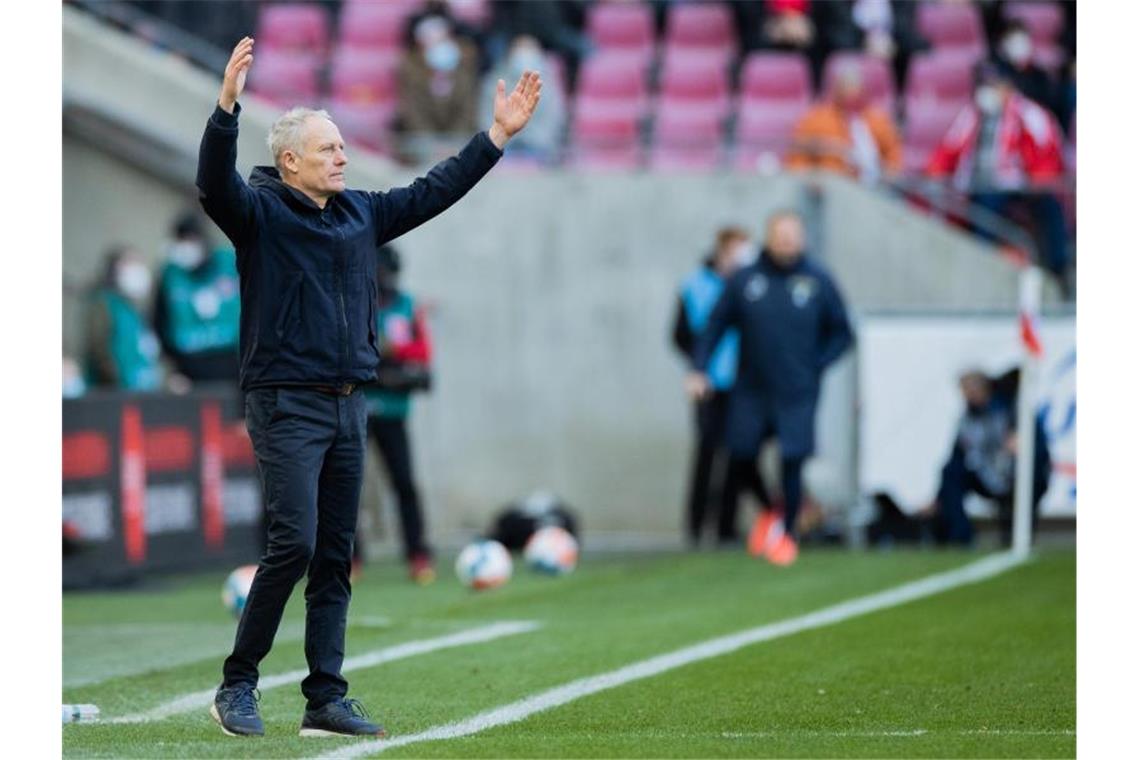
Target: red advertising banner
[(132, 481), (213, 471)]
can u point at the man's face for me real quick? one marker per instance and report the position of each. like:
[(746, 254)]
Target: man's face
[(975, 392), (785, 241), (319, 169)]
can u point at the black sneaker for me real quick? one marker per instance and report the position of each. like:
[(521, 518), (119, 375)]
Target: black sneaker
[(341, 717), (235, 710)]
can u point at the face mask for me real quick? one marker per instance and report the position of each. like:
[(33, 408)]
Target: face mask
[(443, 55), (988, 99), (743, 254), (1018, 48), (134, 281), (187, 254)]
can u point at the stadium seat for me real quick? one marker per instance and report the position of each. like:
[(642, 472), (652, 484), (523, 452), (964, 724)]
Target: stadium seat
[(939, 75), (1050, 56), (363, 76), (1043, 20), (764, 129), (364, 124), (700, 25), (686, 138), (625, 28), (926, 125), (878, 79), (705, 84), (374, 25), (616, 81), (952, 25), (293, 27), (476, 13), (604, 141), (782, 77), (284, 78)]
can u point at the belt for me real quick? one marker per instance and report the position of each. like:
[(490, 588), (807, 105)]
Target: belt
[(335, 390)]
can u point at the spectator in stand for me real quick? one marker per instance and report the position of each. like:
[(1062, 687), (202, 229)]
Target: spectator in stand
[(699, 293), (74, 383), (793, 325), (123, 351), (405, 358), (461, 29), (197, 307), (1004, 150), (438, 81), (556, 24), (845, 134), (983, 461), (885, 29), (1015, 59), (543, 136)]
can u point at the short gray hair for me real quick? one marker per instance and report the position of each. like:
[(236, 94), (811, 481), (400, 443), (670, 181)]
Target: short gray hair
[(285, 134)]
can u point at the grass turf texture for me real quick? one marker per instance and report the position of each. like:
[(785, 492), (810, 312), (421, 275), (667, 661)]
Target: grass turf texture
[(986, 670)]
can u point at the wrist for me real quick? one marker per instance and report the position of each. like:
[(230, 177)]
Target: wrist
[(227, 104), (498, 135)]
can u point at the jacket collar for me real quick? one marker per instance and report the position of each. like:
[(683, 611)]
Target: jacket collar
[(269, 178)]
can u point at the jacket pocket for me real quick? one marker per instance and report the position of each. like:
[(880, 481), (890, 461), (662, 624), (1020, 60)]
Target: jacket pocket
[(289, 313)]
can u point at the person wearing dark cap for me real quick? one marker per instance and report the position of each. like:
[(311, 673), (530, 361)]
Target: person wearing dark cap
[(197, 306), (1003, 149), (405, 359)]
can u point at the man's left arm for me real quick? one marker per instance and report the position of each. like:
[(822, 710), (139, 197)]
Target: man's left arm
[(403, 209), (836, 334)]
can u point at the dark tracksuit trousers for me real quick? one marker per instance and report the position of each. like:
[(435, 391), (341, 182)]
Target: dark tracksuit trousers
[(391, 436), (310, 457)]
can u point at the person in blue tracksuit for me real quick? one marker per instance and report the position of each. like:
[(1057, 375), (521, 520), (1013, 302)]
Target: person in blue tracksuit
[(699, 292), (793, 325), (122, 349), (306, 257)]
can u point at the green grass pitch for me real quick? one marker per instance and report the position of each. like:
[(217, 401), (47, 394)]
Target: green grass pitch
[(986, 670)]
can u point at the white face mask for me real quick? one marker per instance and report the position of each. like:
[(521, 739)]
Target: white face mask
[(134, 281), (988, 99), (187, 254), (443, 55), (1018, 48)]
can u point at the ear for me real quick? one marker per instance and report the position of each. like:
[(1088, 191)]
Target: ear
[(289, 161)]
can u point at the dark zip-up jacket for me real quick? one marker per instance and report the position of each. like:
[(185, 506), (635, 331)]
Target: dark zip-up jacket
[(792, 323), (308, 275)]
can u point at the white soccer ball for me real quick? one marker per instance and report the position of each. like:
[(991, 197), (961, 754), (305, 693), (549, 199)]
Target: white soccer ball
[(551, 550), (236, 588), (483, 564)]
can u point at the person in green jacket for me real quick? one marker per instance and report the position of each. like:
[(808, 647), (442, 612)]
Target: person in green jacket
[(123, 351), (405, 358)]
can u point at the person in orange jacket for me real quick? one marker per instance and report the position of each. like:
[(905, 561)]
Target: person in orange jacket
[(847, 135)]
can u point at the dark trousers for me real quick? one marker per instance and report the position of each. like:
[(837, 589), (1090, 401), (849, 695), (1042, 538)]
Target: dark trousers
[(391, 436), (744, 473), (710, 417), (952, 524), (1050, 218), (310, 457)]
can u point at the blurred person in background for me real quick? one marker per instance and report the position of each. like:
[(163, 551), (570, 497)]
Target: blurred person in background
[(792, 325), (123, 351), (1015, 61), (405, 360), (699, 292), (1004, 150), (556, 24), (74, 383), (885, 29), (438, 81), (983, 460), (197, 307), (847, 135), (543, 136), (306, 253)]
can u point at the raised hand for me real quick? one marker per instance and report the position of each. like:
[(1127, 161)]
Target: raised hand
[(234, 80), (512, 112)]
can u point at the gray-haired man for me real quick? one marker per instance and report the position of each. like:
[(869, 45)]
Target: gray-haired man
[(306, 253)]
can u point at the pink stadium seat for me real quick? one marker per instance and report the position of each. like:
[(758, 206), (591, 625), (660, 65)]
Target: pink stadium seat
[(374, 25), (477, 13), (363, 76), (614, 84), (700, 25), (706, 84), (365, 124), (1050, 56), (877, 77), (938, 75), (285, 79), (624, 27), (926, 125), (295, 27), (776, 77), (1044, 20), (686, 138), (951, 25), (697, 57), (604, 142), (765, 128)]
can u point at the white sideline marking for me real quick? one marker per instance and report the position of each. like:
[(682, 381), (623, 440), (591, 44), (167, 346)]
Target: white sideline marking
[(201, 699), (912, 732), (513, 712)]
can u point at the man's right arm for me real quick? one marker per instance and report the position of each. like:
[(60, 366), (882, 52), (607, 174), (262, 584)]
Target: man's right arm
[(223, 193)]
